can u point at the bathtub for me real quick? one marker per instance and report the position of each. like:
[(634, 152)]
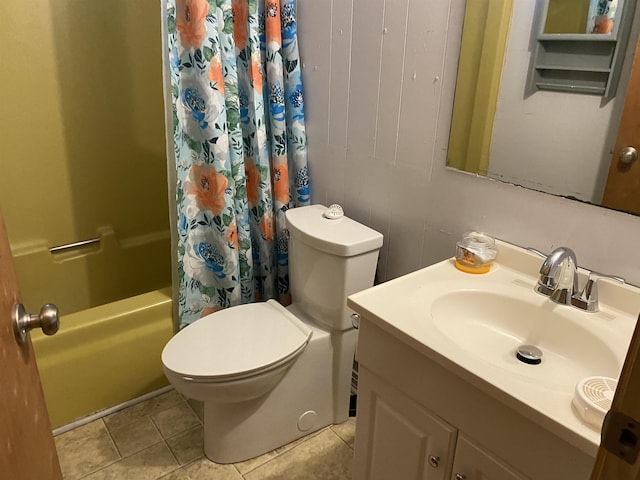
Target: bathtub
[(104, 356), (115, 318)]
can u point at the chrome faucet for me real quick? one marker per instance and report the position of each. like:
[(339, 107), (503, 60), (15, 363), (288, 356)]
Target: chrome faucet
[(559, 280), (559, 276)]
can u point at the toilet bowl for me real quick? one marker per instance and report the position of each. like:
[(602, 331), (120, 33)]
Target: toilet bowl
[(268, 374)]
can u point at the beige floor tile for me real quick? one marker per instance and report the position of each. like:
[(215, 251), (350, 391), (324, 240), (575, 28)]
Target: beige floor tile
[(204, 469), (85, 449), (176, 419), (187, 446), (324, 456), (253, 463), (148, 464), (346, 431), (197, 406), (135, 436), (143, 409), (297, 442)]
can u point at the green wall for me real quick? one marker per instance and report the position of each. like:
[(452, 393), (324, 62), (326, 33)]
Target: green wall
[(567, 16), (82, 132), (484, 40)]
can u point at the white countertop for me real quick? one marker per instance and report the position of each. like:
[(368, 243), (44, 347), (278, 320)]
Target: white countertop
[(402, 307)]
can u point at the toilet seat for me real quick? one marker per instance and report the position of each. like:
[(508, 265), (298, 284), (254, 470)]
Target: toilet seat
[(236, 343)]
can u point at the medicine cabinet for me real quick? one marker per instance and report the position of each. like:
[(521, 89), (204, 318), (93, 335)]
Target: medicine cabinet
[(569, 61)]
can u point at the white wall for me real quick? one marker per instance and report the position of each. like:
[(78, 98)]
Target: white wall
[(379, 84), (550, 141)]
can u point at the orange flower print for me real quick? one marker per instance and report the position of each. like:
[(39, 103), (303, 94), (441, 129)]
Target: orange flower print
[(266, 227), (209, 310), (603, 24), (240, 9), (208, 186), (253, 181), (272, 22), (281, 184), (232, 235), (256, 73), (190, 16), (215, 73)]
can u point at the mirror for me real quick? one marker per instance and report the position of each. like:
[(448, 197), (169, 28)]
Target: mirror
[(558, 142), (581, 16)]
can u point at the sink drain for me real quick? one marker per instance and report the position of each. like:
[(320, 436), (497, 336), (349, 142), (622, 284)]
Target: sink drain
[(529, 354)]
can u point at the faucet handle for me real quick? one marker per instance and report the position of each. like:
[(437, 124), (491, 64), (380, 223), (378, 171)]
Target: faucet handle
[(587, 299), (546, 285)]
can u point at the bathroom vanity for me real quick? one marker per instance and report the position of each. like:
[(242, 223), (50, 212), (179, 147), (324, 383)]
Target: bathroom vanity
[(441, 394)]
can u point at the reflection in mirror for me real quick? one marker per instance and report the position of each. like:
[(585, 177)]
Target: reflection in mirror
[(580, 16), (555, 142)]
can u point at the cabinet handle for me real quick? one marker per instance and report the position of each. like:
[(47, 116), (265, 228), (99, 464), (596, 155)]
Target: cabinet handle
[(434, 461), (460, 476)]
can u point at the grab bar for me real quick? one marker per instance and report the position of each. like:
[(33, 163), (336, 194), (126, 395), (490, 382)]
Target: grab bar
[(70, 246)]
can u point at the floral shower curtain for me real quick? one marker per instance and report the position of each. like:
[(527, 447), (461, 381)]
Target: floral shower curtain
[(240, 149)]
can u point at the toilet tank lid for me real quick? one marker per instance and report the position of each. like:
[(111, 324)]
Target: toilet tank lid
[(340, 236)]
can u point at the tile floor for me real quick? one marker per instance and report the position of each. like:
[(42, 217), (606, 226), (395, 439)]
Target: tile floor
[(161, 438)]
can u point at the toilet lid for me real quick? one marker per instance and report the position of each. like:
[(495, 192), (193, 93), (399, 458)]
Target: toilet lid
[(236, 341)]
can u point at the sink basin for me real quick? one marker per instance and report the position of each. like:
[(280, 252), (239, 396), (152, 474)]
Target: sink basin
[(471, 325), (492, 326)]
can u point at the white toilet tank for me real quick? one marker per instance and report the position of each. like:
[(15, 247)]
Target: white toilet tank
[(329, 259)]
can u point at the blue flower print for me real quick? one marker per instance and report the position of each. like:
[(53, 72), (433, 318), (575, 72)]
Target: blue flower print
[(213, 260), (302, 185), (197, 108), (208, 259), (276, 102)]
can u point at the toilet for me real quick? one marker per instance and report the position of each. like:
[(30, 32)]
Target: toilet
[(267, 374)]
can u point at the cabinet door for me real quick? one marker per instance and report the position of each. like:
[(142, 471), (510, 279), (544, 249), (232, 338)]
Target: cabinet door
[(396, 437), (473, 463)]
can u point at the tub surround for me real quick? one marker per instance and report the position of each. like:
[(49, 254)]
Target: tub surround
[(80, 278), (500, 408), (104, 356), (98, 169), (100, 161)]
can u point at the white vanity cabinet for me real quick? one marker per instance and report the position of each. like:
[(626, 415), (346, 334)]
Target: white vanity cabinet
[(419, 418), (471, 462), (398, 438)]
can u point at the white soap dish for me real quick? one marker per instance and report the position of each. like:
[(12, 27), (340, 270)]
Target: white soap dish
[(592, 398)]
